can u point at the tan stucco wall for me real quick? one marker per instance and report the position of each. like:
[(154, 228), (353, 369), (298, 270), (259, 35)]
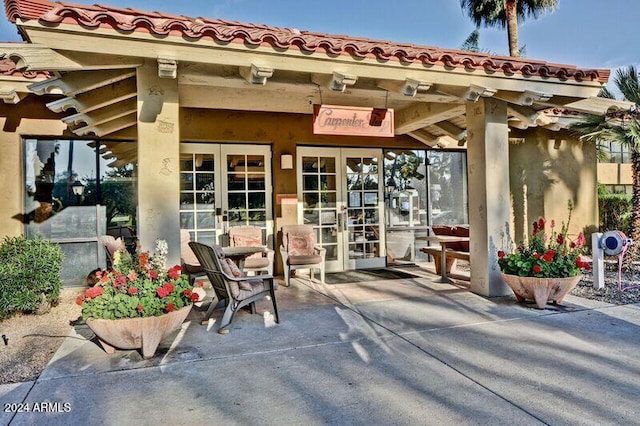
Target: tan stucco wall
[(615, 174), (547, 171), (42, 122)]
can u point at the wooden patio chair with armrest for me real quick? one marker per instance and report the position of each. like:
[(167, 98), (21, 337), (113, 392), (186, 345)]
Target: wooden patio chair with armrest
[(251, 236), (230, 285), (189, 261), (299, 251)]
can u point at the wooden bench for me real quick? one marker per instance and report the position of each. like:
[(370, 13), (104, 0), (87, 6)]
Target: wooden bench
[(452, 255)]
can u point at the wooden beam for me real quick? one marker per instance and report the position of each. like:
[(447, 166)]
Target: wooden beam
[(451, 130), (36, 57), (98, 98), (74, 83), (421, 115)]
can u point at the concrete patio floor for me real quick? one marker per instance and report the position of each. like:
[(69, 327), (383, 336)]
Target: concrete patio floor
[(394, 352)]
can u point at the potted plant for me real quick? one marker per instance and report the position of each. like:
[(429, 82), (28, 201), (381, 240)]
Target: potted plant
[(137, 302), (546, 267)]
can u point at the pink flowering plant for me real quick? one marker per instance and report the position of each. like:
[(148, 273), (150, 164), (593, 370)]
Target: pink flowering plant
[(549, 253), (138, 285)]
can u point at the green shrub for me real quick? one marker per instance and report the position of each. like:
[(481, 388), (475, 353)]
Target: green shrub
[(29, 275), (615, 212)]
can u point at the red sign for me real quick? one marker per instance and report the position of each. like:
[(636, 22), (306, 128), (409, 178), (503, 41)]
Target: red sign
[(352, 121)]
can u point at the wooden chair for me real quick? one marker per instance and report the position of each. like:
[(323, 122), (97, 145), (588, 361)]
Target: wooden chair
[(299, 251), (230, 285), (251, 236), (189, 261)]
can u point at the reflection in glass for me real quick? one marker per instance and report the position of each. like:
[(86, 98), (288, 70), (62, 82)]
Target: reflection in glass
[(328, 182), (309, 164), (204, 181), (256, 182), (257, 200), (310, 200), (186, 162), (186, 220), (310, 182), (186, 200), (204, 162), (186, 181), (237, 201), (236, 163), (311, 217), (236, 182), (329, 235), (205, 220), (328, 199), (327, 164), (255, 163)]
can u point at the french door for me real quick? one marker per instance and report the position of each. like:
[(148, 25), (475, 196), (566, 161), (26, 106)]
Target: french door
[(222, 186), (341, 195)]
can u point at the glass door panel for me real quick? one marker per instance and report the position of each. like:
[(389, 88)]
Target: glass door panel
[(200, 192), (340, 196), (363, 195), (319, 201), (248, 187)]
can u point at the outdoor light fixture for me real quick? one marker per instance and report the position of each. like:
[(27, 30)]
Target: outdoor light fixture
[(78, 188), (286, 162)]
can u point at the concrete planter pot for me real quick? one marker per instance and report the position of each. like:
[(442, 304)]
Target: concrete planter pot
[(137, 333), (542, 290)]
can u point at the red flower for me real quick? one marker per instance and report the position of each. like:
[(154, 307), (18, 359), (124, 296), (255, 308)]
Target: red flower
[(132, 291), (572, 245), (120, 281), (541, 222), (94, 292), (201, 283), (169, 287), (582, 264), (548, 256), (537, 269), (536, 255), (153, 274), (162, 292), (140, 308), (194, 297), (560, 239), (174, 273), (143, 259), (170, 307), (501, 254), (187, 293), (79, 299)]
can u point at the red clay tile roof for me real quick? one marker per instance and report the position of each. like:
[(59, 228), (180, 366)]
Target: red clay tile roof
[(129, 20)]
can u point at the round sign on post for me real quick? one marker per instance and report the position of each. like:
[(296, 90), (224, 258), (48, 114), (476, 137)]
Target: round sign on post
[(614, 242)]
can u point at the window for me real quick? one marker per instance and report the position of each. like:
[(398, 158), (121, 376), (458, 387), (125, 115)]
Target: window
[(76, 190), (616, 153)]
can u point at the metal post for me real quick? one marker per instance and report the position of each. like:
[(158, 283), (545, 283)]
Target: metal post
[(597, 261)]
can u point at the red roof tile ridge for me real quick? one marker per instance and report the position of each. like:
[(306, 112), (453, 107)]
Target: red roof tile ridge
[(162, 24)]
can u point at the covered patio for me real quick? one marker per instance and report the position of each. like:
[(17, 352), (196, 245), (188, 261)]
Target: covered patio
[(173, 84)]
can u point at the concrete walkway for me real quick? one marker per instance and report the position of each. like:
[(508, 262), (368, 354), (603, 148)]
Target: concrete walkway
[(396, 352)]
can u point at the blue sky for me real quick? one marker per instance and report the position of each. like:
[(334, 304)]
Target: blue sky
[(586, 33)]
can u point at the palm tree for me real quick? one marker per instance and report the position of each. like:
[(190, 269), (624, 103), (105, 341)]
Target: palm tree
[(506, 13), (623, 128)]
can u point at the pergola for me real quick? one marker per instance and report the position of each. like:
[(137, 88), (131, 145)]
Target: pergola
[(125, 70)]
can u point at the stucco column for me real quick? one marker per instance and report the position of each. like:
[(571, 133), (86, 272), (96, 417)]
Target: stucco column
[(489, 207), (158, 161)]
